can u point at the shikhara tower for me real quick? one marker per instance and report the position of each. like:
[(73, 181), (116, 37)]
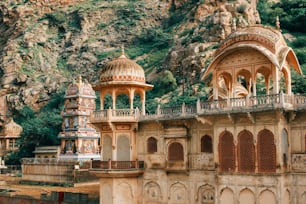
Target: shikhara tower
[(79, 140)]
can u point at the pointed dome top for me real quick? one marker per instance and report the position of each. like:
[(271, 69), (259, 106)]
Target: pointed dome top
[(80, 89), (12, 129)]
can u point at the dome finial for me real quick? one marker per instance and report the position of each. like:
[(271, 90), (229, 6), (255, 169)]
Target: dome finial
[(277, 23), (80, 79), (122, 56)]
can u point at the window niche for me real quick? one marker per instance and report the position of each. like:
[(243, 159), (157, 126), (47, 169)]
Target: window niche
[(206, 144), (152, 145)]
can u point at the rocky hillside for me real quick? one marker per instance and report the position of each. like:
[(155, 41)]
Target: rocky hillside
[(45, 44)]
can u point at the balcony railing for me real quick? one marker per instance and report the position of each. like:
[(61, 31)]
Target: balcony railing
[(231, 105), (117, 165), (114, 115)]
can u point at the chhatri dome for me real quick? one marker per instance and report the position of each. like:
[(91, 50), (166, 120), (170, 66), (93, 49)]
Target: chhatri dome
[(122, 76), (121, 70), (12, 129)]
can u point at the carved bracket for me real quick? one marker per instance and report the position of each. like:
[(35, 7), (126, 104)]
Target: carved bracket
[(111, 125), (204, 120), (292, 116), (230, 117), (251, 117), (135, 126)]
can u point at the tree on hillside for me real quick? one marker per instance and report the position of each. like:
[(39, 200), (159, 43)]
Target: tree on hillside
[(39, 128), (291, 14)]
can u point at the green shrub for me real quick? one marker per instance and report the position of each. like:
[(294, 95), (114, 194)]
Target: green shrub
[(56, 18), (39, 128), (155, 37), (300, 41), (165, 83), (301, 55), (291, 14), (102, 25)]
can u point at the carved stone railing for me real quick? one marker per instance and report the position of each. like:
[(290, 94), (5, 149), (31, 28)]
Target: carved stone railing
[(299, 101), (298, 162), (117, 165), (114, 115), (231, 105), (45, 161)]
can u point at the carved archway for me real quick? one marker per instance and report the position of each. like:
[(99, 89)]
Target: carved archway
[(246, 196), (178, 194), (267, 196), (206, 195), (227, 196), (152, 193)]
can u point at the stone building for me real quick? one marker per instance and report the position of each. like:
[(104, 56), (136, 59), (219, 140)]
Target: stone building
[(8, 137), (245, 145), (79, 140), (79, 143)]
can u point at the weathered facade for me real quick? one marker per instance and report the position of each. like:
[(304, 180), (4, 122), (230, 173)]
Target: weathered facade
[(79, 140), (245, 145)]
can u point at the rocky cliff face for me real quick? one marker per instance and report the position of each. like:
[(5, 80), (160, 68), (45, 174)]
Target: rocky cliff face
[(45, 44)]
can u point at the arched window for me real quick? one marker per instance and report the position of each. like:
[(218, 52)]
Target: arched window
[(266, 151), (152, 145), (176, 152), (227, 152), (246, 152), (206, 144)]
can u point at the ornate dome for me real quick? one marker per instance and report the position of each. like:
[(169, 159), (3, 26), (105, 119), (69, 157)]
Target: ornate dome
[(267, 37), (12, 129), (80, 89), (122, 69)]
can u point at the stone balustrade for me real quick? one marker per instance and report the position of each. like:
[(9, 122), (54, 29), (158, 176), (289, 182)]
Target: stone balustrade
[(231, 105), (117, 165), (114, 115)]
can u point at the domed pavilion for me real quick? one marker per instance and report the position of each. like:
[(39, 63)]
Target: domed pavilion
[(250, 61), (122, 76), (10, 134)]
